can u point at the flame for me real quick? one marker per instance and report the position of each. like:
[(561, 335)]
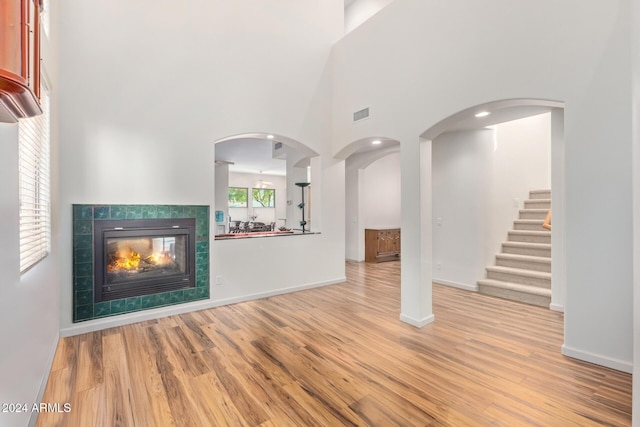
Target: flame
[(129, 260), (126, 259)]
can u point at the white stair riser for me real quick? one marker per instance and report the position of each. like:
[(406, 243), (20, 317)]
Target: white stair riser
[(542, 301), (537, 204), (524, 264), (515, 237), (531, 214), (523, 280), (545, 252), (530, 226), (546, 194)]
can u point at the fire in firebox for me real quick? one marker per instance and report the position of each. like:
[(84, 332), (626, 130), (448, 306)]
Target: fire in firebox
[(128, 260), (143, 257), (147, 256)]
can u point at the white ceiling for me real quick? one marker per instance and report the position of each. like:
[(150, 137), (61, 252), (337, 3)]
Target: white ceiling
[(250, 155), (471, 122), (500, 112)]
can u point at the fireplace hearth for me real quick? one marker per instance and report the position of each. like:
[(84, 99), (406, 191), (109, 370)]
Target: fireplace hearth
[(141, 257)]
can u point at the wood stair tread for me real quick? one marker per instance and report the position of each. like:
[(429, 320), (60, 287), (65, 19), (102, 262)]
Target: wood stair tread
[(531, 232), (520, 272), (530, 258), (515, 287), (534, 210), (527, 244)]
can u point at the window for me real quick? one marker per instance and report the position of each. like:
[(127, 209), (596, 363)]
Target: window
[(238, 197), (34, 191), (264, 198)]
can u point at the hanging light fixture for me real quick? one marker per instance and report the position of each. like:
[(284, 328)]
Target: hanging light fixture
[(261, 183)]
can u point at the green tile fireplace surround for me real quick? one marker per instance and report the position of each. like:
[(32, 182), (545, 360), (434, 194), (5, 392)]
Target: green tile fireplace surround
[(84, 217)]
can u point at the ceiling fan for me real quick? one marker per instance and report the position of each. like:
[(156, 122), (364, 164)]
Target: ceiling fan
[(261, 183)]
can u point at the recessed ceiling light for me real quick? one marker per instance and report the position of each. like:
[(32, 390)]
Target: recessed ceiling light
[(376, 142), (270, 136), (482, 114)]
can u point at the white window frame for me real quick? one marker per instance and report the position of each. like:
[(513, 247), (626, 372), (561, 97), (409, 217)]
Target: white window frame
[(45, 16), (34, 175)]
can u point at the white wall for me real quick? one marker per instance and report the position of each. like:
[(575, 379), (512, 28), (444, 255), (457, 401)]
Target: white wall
[(461, 202), (381, 193), (222, 195), (266, 215), (354, 237), (635, 57), (29, 315), (417, 62), (140, 108), (520, 162), (361, 10)]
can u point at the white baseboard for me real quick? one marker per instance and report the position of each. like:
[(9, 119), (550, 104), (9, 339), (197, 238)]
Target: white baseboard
[(45, 379), (418, 323), (354, 260), (275, 292), (556, 307), (156, 313), (608, 362), (464, 286)]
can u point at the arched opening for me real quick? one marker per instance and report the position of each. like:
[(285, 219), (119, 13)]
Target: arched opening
[(372, 191), (478, 178), (255, 183)]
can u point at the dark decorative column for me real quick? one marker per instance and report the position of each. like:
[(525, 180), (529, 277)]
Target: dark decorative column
[(302, 185)]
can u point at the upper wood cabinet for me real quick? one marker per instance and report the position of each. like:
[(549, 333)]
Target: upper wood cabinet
[(19, 59)]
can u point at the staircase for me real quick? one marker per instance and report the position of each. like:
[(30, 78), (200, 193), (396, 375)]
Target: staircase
[(523, 268)]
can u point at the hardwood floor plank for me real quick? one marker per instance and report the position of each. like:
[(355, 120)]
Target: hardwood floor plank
[(89, 375), (234, 387), (377, 413), (186, 354), (148, 391), (337, 355), (178, 397), (120, 409)]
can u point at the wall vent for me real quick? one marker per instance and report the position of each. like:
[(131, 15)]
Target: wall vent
[(277, 145), (362, 114)]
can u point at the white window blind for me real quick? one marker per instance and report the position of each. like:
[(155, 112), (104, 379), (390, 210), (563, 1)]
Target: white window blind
[(34, 181)]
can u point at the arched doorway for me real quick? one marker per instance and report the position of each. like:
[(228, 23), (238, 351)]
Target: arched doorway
[(359, 212), (475, 121)]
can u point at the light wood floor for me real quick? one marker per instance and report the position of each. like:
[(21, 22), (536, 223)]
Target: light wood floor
[(336, 356)]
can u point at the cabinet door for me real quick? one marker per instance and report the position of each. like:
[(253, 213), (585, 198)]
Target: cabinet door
[(382, 243), (394, 241), (31, 52), (11, 33), (19, 59)]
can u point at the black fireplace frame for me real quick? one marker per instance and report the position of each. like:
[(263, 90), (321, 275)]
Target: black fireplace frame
[(105, 229)]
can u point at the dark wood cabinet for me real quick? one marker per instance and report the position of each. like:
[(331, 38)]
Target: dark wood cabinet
[(19, 59), (381, 244)]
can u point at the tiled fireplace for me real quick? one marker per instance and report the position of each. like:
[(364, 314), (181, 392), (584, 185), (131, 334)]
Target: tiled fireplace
[(134, 257)]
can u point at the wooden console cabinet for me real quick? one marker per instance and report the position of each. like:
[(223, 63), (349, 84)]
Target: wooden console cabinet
[(381, 244), (19, 59)]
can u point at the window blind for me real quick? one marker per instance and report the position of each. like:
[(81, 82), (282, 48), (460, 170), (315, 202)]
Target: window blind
[(34, 182)]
